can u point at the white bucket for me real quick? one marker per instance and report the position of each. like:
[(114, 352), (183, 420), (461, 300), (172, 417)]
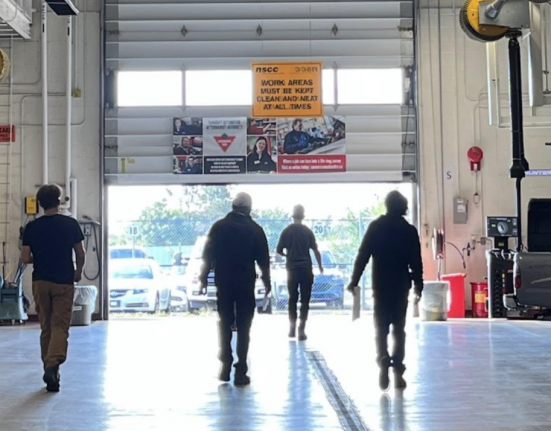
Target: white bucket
[(435, 302)]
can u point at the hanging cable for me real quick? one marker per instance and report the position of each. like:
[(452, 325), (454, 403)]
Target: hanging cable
[(460, 254), (95, 250)]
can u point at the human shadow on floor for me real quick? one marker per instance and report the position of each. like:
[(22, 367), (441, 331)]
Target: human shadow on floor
[(391, 412)]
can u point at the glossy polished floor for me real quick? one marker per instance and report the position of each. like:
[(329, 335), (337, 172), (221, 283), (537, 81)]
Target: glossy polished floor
[(159, 375)]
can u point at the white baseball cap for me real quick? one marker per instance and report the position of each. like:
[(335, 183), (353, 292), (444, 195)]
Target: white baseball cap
[(242, 200)]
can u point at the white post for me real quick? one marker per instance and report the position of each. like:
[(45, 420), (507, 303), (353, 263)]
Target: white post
[(45, 149), (69, 114)]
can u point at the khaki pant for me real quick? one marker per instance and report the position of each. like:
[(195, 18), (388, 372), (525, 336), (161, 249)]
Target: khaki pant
[(54, 305)]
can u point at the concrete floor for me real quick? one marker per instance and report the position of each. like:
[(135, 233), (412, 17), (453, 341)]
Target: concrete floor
[(159, 375)]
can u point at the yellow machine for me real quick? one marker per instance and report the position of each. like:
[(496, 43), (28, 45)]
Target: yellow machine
[(489, 21)]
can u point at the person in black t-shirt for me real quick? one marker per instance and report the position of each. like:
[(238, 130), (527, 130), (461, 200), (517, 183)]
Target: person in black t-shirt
[(295, 244), (48, 243)]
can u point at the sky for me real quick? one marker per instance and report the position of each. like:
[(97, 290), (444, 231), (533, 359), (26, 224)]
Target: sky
[(320, 200)]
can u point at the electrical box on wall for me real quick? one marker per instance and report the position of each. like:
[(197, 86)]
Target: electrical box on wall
[(460, 211), (31, 207)]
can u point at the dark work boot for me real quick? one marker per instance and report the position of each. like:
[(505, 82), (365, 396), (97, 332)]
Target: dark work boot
[(384, 380), (399, 382), (51, 378), (399, 370), (301, 331), (293, 329), (241, 378), (224, 373)]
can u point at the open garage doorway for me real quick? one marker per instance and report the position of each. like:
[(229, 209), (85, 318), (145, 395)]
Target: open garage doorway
[(156, 236)]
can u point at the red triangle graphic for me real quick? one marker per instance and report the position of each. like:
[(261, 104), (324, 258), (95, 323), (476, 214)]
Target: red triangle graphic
[(224, 141)]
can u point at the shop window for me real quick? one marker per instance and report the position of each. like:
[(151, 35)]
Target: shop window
[(219, 88), (370, 86), (151, 88), (234, 87)]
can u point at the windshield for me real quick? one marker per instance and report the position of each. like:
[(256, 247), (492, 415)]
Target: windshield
[(141, 271)]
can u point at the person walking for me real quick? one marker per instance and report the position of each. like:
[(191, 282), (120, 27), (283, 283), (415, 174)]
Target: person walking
[(234, 244), (396, 251), (48, 243), (295, 244)]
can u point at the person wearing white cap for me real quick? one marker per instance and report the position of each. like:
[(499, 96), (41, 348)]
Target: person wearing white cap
[(295, 244), (234, 245)]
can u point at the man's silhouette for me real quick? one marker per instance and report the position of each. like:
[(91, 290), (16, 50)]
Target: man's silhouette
[(396, 251)]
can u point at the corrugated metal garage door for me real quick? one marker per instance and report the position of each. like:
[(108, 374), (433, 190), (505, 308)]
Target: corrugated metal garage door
[(225, 34)]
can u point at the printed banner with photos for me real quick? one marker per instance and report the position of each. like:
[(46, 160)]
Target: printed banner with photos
[(256, 146)]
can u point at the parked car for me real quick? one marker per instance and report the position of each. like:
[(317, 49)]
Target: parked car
[(192, 284), (328, 287), (531, 283), (177, 274), (127, 252), (178, 300), (138, 285)]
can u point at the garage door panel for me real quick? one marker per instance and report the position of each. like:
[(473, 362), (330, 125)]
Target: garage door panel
[(376, 124), (221, 2), (159, 164), (217, 27), (239, 10), (371, 146), (169, 179), (349, 111), (202, 63), (257, 49), (132, 150), (146, 146), (223, 35), (142, 165), (251, 35)]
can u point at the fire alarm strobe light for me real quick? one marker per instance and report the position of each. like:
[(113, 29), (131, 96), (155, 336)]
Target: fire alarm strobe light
[(475, 155)]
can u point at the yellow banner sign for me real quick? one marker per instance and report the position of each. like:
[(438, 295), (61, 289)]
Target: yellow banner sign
[(287, 90)]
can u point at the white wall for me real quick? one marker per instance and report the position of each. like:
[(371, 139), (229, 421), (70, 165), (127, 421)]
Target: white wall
[(462, 121), (26, 114)]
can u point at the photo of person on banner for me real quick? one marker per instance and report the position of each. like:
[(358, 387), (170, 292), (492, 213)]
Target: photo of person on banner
[(187, 126), (322, 135), (188, 146), (188, 165), (260, 158), (261, 126)]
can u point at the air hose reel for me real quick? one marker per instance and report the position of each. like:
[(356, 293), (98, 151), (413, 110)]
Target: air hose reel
[(489, 21), (438, 244)]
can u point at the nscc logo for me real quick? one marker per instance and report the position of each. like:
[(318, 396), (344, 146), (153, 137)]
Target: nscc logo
[(267, 69)]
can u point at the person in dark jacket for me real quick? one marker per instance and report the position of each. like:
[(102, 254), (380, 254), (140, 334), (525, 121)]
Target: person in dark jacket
[(260, 160), (234, 244), (295, 244), (396, 251), (296, 140)]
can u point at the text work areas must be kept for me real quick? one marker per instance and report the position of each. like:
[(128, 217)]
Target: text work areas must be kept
[(287, 90)]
